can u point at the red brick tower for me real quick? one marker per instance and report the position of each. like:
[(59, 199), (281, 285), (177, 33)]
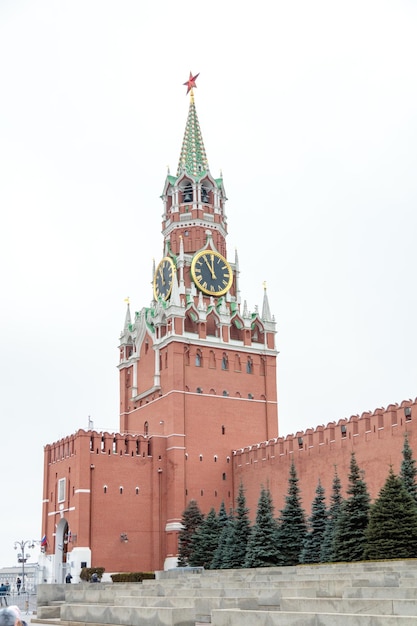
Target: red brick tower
[(197, 380), (197, 370)]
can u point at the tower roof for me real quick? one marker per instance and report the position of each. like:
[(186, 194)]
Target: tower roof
[(193, 158)]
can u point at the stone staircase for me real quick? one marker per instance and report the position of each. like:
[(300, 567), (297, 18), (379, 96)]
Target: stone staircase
[(356, 594)]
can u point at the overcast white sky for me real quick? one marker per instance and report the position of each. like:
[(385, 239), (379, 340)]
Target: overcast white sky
[(308, 108)]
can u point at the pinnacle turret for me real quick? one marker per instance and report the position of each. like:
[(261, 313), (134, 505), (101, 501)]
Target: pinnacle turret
[(266, 313)]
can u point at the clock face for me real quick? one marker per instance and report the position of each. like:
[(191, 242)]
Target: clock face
[(211, 273), (164, 275)]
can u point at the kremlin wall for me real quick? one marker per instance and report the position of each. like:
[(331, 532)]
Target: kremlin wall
[(377, 439)]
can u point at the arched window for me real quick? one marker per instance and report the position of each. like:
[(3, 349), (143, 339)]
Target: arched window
[(237, 363), (212, 359), (249, 365), (146, 428), (198, 359), (225, 362), (187, 193)]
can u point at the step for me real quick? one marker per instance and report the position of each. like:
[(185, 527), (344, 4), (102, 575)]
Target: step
[(233, 617), (128, 616), (375, 606)]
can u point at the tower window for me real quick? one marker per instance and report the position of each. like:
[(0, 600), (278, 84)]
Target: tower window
[(407, 413), (198, 359), (225, 392), (61, 489), (199, 390), (249, 366), (121, 490), (223, 430), (188, 193), (224, 476), (225, 362)]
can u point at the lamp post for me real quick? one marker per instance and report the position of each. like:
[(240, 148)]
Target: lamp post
[(23, 556)]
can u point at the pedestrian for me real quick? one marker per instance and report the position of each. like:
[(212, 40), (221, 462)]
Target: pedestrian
[(11, 617), (3, 594), (18, 585), (68, 577)]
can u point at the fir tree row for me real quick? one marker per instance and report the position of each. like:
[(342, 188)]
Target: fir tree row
[(350, 529)]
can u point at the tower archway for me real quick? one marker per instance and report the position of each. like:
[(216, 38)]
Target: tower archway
[(61, 550)]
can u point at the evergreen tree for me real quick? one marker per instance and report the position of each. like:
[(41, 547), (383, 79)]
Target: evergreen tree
[(317, 525), (191, 520), (392, 528), (336, 500), (262, 549), (408, 470), (223, 516), (349, 539), (220, 560), (292, 523), (223, 522), (238, 535), (205, 541)]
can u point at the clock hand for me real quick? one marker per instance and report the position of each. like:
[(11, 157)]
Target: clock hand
[(211, 267), (161, 273)]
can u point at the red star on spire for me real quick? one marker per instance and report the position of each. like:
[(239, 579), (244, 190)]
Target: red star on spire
[(191, 82)]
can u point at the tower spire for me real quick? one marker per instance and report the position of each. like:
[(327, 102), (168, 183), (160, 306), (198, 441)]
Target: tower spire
[(193, 158), (266, 313)]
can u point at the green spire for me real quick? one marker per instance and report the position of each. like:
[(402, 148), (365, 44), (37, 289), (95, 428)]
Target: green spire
[(193, 157)]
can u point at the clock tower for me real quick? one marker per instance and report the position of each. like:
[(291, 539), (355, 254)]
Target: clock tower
[(197, 367)]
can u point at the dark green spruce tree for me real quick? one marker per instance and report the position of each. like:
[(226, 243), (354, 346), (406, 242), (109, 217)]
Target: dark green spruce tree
[(392, 528), (205, 541), (292, 527), (238, 537), (223, 522), (336, 500), (191, 520), (349, 539), (408, 471), (311, 552), (262, 549)]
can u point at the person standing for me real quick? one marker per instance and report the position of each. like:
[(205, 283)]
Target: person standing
[(3, 594), (68, 577), (18, 585)]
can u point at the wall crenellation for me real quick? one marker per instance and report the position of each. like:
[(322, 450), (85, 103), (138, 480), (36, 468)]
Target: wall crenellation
[(365, 427)]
